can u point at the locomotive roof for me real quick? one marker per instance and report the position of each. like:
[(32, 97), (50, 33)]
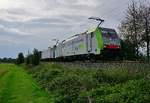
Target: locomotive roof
[(93, 29), (108, 29), (87, 32), (72, 37)]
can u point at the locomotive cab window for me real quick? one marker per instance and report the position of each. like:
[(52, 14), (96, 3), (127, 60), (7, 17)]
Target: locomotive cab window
[(109, 33)]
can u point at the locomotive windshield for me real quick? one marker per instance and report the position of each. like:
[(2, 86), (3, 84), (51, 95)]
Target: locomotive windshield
[(109, 33)]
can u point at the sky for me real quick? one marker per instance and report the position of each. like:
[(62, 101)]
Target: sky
[(28, 24)]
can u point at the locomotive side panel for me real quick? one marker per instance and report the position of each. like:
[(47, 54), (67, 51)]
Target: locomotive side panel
[(46, 54), (95, 41), (67, 49), (43, 54), (80, 45), (92, 43)]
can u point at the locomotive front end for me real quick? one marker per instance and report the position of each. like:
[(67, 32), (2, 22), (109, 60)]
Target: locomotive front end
[(110, 39), (111, 43)]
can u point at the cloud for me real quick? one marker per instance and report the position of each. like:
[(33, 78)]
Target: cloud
[(12, 31)]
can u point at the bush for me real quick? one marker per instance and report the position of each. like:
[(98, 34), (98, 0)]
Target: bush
[(115, 76), (69, 86), (113, 84), (133, 91)]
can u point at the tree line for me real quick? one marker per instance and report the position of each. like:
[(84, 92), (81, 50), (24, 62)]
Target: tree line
[(7, 60), (30, 59), (135, 30)]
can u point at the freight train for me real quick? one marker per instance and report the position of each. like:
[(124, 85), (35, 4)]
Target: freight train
[(95, 44)]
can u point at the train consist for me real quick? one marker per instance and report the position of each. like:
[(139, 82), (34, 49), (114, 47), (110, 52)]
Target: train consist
[(99, 43)]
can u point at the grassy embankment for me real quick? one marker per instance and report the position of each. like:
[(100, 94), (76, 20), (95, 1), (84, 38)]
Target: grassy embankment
[(108, 83), (16, 86)]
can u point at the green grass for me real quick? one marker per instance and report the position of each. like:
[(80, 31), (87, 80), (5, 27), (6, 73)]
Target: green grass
[(16, 86)]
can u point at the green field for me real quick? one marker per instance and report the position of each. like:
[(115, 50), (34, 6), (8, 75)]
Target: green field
[(16, 86)]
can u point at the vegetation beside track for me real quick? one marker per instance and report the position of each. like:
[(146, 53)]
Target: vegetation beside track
[(107, 83), (16, 86)]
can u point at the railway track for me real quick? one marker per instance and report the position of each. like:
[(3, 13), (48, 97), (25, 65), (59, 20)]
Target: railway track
[(105, 64)]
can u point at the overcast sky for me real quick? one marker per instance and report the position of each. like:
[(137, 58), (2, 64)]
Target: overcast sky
[(28, 24)]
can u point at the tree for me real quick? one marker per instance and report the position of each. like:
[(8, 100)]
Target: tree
[(33, 58), (130, 26), (145, 14), (20, 58), (36, 57), (128, 51), (29, 59), (135, 27)]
